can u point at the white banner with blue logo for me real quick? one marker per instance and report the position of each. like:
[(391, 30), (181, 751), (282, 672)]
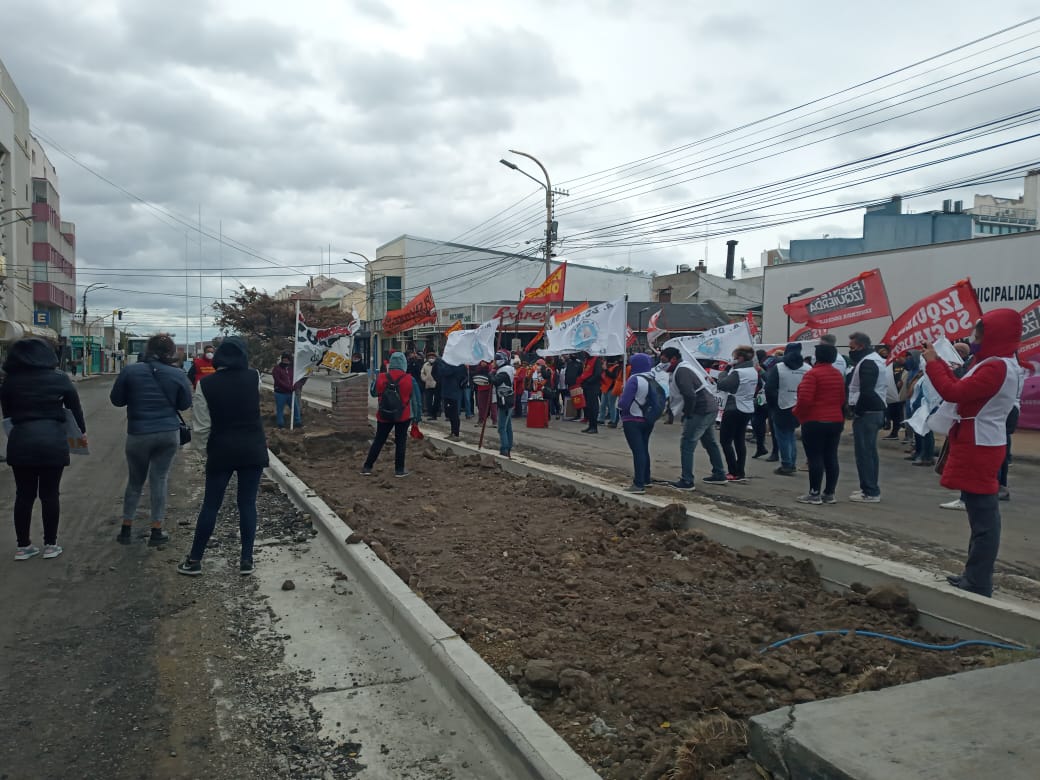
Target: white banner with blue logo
[(469, 347), (715, 344), (599, 330)]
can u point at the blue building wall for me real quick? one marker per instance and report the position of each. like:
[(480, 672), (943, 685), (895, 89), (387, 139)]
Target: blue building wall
[(884, 227)]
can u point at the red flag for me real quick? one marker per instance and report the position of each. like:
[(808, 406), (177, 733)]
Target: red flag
[(457, 325), (566, 315), (535, 340), (1029, 348), (858, 299), (653, 330), (630, 337), (952, 313), (808, 333), (751, 326), (550, 291), (418, 311)]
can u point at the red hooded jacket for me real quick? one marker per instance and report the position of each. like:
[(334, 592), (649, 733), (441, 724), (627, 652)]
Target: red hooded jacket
[(973, 467)]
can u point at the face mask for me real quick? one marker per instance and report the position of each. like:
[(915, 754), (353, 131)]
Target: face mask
[(209, 356)]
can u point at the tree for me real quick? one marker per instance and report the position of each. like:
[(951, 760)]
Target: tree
[(267, 324)]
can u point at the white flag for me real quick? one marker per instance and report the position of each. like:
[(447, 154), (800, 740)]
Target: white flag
[(469, 347), (312, 344), (599, 330), (715, 344)]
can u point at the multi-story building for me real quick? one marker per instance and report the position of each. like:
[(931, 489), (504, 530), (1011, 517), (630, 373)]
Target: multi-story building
[(54, 247), (1002, 216)]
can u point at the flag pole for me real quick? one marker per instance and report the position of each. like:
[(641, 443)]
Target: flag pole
[(624, 352), (292, 387)]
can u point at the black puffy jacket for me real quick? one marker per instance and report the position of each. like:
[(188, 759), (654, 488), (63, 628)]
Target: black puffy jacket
[(35, 396)]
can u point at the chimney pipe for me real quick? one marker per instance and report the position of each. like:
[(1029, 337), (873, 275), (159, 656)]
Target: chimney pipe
[(731, 251)]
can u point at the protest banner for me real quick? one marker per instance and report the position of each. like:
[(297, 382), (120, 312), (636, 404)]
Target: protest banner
[(716, 344), (862, 298), (418, 311), (950, 313), (598, 330), (752, 327), (808, 333), (1029, 348), (654, 331), (469, 347), (312, 344), (549, 291)]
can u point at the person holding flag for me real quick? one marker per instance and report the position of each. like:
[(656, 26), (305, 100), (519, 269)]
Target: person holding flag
[(286, 391)]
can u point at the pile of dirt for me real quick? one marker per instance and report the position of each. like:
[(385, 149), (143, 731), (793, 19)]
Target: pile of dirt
[(639, 643)]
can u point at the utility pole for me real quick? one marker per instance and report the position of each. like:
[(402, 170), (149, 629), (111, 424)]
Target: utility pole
[(86, 354)]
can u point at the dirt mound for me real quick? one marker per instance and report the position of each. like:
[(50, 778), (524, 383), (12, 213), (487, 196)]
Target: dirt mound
[(639, 643)]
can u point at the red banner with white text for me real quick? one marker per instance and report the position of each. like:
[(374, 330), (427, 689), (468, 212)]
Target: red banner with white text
[(862, 298), (1029, 348), (550, 291), (952, 313), (418, 311)]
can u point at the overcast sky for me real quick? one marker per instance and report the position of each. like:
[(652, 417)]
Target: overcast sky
[(295, 126)]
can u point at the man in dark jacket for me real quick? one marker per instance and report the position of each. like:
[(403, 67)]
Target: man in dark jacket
[(868, 400), (34, 397), (694, 403), (452, 381), (227, 426), (590, 378)]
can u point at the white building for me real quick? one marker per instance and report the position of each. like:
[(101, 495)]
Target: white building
[(1003, 270), (16, 266)]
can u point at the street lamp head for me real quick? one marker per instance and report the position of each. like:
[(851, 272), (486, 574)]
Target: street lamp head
[(806, 290), (644, 309), (511, 166)]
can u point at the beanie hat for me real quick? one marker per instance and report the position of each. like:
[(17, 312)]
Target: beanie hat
[(640, 363), (826, 353), (399, 361)]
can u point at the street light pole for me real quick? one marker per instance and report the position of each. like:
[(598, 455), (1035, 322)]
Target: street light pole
[(98, 286), (789, 299)]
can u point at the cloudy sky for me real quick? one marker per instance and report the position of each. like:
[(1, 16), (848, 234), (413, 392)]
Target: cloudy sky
[(292, 127)]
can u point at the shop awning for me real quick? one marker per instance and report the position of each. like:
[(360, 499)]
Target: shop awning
[(11, 330)]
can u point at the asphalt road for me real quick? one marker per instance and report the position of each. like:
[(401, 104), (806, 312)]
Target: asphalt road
[(908, 524)]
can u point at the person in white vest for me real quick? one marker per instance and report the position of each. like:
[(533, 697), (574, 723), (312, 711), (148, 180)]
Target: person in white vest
[(839, 361), (868, 400), (782, 382), (740, 384), (983, 398)]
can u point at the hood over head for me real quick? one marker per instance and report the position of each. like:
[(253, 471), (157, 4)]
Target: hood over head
[(1001, 333), (233, 352), (793, 355), (398, 361), (640, 363), (30, 353), (826, 353)]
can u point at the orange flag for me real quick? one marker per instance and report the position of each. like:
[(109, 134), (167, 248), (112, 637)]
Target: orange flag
[(550, 291), (457, 325)]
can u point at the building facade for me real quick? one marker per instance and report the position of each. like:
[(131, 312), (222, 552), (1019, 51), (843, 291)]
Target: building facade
[(16, 304), (733, 296), (1003, 216), (53, 249)]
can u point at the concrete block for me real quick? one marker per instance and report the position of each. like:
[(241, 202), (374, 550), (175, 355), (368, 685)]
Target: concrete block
[(965, 726)]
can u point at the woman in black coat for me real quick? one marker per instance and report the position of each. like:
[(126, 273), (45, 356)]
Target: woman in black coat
[(226, 422), (34, 398)]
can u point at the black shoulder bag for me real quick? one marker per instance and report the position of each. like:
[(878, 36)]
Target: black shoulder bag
[(184, 431)]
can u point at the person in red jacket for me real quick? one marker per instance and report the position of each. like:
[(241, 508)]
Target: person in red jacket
[(393, 414), (977, 439), (820, 409), (201, 366)]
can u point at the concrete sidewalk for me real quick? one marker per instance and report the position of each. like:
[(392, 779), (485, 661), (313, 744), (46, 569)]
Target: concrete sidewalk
[(962, 727)]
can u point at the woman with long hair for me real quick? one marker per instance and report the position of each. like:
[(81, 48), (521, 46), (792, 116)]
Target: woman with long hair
[(154, 392), (34, 397)]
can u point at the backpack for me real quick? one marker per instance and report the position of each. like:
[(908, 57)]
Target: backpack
[(656, 400), (390, 402), (504, 394)]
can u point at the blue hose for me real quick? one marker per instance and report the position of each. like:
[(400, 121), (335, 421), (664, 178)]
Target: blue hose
[(898, 640)]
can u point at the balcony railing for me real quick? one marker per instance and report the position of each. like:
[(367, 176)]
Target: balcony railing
[(45, 292)]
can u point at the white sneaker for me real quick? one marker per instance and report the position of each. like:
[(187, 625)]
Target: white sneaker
[(955, 504), (51, 551), (25, 553), (854, 494)]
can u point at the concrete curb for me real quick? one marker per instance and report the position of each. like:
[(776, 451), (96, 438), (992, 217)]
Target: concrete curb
[(526, 743)]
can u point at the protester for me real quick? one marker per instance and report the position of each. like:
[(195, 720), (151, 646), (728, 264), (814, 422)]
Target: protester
[(609, 378), (520, 385), (228, 427), (486, 406), (820, 408), (839, 362), (693, 401), (637, 420), (740, 384), (431, 386), (398, 394), (33, 398), (868, 400), (760, 417), (201, 366), (454, 382), (286, 391), (502, 384), (781, 390), (589, 380), (154, 392), (984, 398)]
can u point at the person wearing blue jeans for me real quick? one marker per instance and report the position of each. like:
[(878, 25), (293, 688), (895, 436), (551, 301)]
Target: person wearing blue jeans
[(865, 429), (505, 431), (216, 486), (502, 397), (281, 400), (286, 391)]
